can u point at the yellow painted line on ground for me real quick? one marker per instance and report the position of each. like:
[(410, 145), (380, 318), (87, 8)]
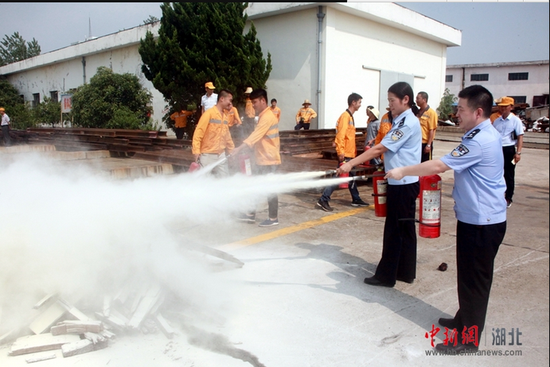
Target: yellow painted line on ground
[(289, 230)]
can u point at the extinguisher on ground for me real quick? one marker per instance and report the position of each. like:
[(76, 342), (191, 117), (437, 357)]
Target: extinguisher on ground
[(379, 188), (430, 206)]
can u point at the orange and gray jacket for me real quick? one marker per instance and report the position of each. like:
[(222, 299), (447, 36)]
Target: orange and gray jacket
[(265, 139), (249, 109), (305, 113), (233, 117), (180, 118), (212, 133), (345, 136)]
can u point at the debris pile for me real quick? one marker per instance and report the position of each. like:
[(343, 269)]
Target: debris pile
[(57, 324)]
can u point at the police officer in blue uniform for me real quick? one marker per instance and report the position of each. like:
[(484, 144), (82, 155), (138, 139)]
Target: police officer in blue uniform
[(480, 209), (401, 146)]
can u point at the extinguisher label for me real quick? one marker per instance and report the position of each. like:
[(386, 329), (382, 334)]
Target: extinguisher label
[(381, 200), (247, 168), (381, 187), (431, 204)]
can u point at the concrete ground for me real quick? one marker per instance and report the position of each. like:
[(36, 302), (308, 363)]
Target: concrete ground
[(301, 300)]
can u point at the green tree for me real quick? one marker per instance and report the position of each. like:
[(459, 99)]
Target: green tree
[(112, 100), (445, 109), (47, 112), (14, 48), (200, 42), (19, 111), (151, 19)]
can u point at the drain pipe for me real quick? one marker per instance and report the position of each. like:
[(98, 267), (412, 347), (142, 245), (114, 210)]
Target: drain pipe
[(320, 17), (84, 69)]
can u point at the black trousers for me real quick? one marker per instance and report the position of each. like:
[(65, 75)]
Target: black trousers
[(301, 125), (426, 156), (399, 244), (509, 170), (476, 249)]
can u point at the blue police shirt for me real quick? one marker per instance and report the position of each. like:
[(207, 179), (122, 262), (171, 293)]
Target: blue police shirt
[(404, 144), (479, 185)]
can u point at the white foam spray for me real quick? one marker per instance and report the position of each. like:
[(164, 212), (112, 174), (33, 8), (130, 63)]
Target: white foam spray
[(70, 231)]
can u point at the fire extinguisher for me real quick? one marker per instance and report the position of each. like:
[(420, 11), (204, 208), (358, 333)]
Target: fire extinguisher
[(193, 167), (343, 185), (430, 206), (244, 164), (379, 188)]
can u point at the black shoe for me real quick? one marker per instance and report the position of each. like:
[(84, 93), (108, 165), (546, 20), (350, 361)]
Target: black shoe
[(324, 205), (508, 203), (359, 203), (448, 323), (247, 218), (458, 349), (373, 281), (410, 281), (268, 223)]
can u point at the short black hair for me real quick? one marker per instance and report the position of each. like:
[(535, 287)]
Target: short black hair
[(424, 95), (478, 97), (273, 100), (224, 93), (259, 93), (353, 97)]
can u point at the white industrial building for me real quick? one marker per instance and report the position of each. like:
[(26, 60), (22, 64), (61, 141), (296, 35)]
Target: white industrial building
[(526, 82), (320, 51)]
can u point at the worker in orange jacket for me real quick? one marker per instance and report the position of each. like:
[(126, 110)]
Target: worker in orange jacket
[(266, 144), (211, 139), (249, 113), (385, 126), (304, 116), (346, 151), (235, 124), (180, 120)]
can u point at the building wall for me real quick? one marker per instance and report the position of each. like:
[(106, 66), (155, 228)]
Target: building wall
[(359, 51), (63, 70), (291, 38), (364, 48), (498, 83)]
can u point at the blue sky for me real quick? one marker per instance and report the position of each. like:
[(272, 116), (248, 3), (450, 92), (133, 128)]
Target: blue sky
[(491, 31)]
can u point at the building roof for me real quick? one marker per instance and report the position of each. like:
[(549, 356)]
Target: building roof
[(389, 14), (96, 45), (499, 64)]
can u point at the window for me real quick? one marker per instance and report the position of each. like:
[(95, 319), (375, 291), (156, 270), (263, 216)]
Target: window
[(448, 78), (479, 77), (519, 99), (53, 96), (35, 99), (518, 76)]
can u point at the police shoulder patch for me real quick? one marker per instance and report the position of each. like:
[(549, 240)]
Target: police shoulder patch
[(460, 151), (401, 123), (396, 135), (472, 134)]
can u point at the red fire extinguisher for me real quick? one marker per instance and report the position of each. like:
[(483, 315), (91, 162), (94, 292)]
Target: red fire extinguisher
[(379, 188), (343, 185), (430, 206), (244, 164), (194, 166)]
